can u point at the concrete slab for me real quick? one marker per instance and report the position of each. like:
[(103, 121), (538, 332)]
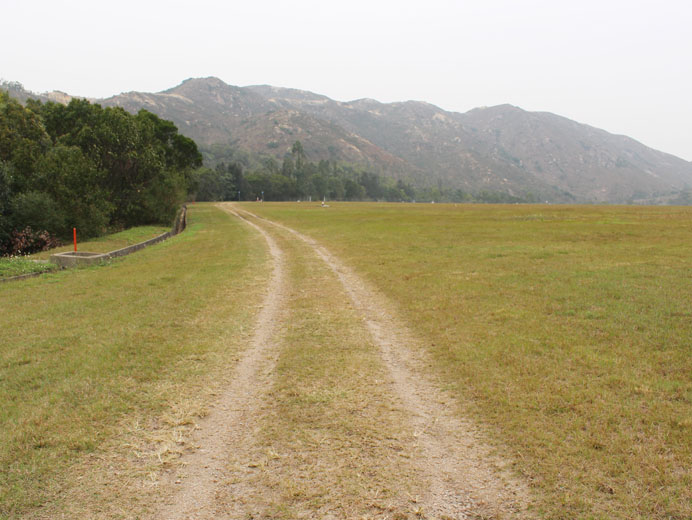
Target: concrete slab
[(75, 258)]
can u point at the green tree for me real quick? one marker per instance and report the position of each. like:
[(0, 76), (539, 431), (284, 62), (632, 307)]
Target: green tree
[(353, 190), (288, 167), (5, 201), (38, 211), (75, 184), (335, 188), (279, 187), (408, 192), (148, 164), (23, 140), (80, 165), (371, 183), (297, 151)]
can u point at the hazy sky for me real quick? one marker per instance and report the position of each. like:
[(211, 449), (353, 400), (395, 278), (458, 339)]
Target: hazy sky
[(624, 66)]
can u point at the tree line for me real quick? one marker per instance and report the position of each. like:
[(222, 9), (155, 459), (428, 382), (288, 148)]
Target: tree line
[(240, 176), (295, 178), (84, 166), (103, 169)]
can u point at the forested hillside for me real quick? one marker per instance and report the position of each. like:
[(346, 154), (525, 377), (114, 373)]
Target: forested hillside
[(84, 166), (495, 154), (240, 176), (501, 150)]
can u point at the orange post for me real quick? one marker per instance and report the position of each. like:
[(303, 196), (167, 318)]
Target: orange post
[(74, 237)]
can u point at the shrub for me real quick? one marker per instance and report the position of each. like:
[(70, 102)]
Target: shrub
[(29, 241), (37, 210)]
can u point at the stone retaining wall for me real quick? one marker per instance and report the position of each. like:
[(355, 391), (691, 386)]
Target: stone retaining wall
[(21, 277), (73, 259)]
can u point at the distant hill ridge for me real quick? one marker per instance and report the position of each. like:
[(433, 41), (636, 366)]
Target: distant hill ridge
[(501, 148)]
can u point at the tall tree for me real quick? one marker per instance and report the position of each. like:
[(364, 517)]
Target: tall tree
[(90, 167)]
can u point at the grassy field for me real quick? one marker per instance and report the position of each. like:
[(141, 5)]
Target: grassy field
[(567, 331), (98, 358)]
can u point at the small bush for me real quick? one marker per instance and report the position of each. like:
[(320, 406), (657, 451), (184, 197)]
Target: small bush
[(37, 210), (28, 241)]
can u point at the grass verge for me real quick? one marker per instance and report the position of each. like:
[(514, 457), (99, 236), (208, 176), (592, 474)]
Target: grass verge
[(111, 363), (108, 243), (566, 330), (17, 266)]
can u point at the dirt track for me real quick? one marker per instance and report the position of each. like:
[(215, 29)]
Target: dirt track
[(230, 421), (454, 473)]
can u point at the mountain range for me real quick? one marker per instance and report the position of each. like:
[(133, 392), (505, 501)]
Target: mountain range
[(501, 148)]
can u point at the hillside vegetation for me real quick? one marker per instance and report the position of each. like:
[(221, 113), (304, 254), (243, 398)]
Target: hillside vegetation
[(84, 166), (298, 178), (501, 149), (499, 153)]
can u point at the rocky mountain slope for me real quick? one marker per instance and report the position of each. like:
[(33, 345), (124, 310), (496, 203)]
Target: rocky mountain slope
[(501, 148)]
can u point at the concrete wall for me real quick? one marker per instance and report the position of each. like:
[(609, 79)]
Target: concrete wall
[(73, 259)]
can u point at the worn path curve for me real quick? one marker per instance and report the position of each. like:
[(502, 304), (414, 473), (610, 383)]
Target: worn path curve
[(232, 417), (464, 478)]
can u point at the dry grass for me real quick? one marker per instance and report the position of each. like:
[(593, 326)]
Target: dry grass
[(331, 440), (565, 330), (104, 370)]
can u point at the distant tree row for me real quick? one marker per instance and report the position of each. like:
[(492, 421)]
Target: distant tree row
[(84, 166), (240, 176), (296, 178)]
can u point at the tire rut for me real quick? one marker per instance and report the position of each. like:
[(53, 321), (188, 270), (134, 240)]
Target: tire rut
[(464, 478), (228, 423)]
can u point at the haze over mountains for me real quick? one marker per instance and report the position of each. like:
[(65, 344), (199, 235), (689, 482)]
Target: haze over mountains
[(502, 148)]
